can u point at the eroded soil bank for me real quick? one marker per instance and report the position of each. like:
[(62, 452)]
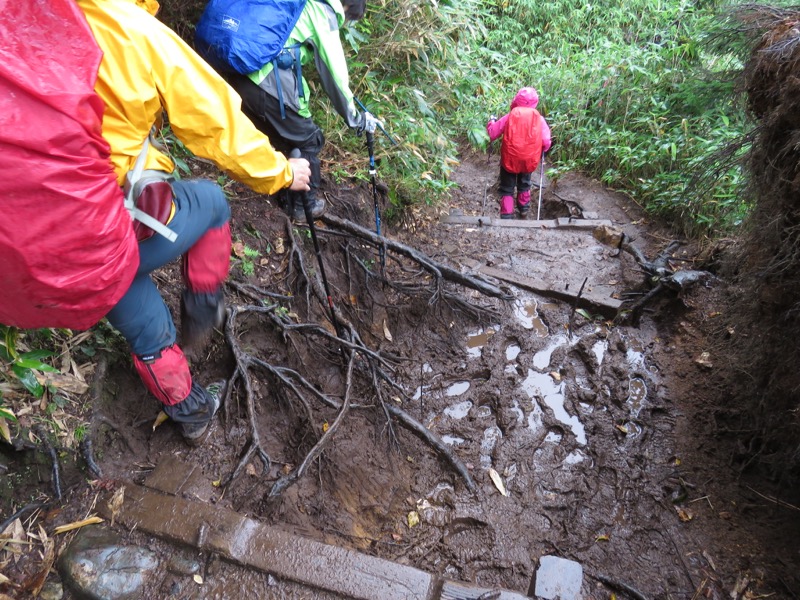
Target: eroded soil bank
[(587, 439)]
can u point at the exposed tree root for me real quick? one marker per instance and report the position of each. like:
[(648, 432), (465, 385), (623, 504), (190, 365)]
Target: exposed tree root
[(366, 372), (658, 273), (372, 368), (44, 441), (439, 271)]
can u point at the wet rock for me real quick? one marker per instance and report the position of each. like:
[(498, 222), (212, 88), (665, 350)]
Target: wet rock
[(183, 565), (52, 590), (558, 579), (97, 565)]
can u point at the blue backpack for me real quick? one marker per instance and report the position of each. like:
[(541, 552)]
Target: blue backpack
[(245, 35)]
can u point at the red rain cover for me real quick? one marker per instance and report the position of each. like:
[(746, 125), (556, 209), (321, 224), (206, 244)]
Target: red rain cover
[(67, 249), (522, 140)]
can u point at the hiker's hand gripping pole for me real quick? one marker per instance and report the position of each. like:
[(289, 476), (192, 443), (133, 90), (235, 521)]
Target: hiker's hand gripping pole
[(307, 208), (380, 125)]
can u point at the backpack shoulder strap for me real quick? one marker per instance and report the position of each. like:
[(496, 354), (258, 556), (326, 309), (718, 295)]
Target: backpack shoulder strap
[(131, 193)]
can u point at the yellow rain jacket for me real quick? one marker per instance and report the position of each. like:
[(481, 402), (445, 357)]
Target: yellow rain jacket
[(148, 68)]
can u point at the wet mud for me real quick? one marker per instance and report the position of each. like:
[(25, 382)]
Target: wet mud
[(586, 439)]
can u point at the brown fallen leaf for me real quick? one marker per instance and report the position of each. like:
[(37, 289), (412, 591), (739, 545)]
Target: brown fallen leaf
[(35, 583), (386, 333), (115, 504), (684, 514)]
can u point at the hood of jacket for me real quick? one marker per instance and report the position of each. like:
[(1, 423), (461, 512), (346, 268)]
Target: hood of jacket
[(527, 97)]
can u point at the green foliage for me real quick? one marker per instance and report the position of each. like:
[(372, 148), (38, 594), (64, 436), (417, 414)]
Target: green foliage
[(22, 366), (634, 94), (24, 359), (633, 97), (246, 257), (180, 154)]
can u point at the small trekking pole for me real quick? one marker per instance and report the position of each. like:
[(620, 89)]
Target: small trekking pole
[(541, 182), (491, 142), (295, 153)]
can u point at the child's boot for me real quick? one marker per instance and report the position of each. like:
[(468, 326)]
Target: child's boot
[(507, 207), (524, 203)]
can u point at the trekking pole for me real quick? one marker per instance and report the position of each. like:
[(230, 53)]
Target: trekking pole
[(374, 184), (370, 133), (295, 153), (541, 182)]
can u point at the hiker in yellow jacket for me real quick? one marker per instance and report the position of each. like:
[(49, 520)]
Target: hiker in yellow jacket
[(148, 70)]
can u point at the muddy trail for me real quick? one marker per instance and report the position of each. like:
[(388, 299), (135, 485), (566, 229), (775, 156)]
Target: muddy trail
[(556, 430)]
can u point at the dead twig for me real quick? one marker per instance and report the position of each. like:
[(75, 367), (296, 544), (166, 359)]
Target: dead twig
[(28, 507), (774, 500), (619, 586), (51, 453)]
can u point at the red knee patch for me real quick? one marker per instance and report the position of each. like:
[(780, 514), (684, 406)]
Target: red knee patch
[(206, 264), (167, 376)]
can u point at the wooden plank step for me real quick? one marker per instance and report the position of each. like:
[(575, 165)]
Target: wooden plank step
[(282, 553)]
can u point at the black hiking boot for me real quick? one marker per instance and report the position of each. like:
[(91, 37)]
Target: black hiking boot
[(194, 414), (299, 213), (200, 314)]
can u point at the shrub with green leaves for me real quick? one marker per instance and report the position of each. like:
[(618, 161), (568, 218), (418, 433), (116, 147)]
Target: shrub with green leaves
[(634, 93)]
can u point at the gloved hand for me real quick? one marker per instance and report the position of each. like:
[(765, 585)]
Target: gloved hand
[(492, 119), (368, 123)]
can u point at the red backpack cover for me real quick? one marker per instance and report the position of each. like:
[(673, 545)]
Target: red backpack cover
[(67, 248), (522, 140)]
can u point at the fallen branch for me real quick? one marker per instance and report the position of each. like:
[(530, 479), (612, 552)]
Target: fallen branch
[(438, 270), (659, 275)]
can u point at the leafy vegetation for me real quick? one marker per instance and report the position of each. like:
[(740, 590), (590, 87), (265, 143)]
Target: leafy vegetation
[(33, 390), (637, 95), (633, 92)]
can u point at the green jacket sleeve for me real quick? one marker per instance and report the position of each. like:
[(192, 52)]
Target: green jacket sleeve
[(318, 31)]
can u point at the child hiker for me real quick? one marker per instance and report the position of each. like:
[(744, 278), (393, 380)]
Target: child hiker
[(526, 137)]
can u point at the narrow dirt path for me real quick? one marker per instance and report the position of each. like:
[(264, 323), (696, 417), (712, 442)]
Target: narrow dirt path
[(586, 439)]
